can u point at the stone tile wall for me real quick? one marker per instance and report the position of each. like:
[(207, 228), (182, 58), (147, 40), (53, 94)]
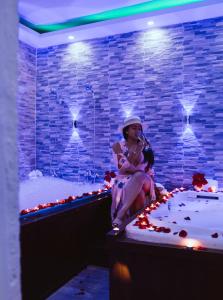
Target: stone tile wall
[(26, 99), (171, 77)]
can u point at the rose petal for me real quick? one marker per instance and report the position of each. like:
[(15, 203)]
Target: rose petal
[(183, 233), (215, 235)]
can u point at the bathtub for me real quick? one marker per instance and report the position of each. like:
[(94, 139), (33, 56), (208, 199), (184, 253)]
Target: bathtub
[(47, 189), (197, 216), (58, 242), (177, 254)]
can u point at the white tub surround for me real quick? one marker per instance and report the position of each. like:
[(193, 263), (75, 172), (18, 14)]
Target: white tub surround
[(44, 189), (189, 219)]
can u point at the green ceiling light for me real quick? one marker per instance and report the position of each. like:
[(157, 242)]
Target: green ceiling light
[(126, 11)]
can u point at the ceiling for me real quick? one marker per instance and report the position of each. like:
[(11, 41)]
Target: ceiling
[(54, 11), (50, 22)]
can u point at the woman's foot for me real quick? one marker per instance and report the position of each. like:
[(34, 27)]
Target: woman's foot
[(117, 222)]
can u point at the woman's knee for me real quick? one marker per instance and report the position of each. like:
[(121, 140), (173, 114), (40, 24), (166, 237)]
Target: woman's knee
[(139, 202), (147, 184)]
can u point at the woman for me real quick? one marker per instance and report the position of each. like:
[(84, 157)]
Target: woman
[(134, 184)]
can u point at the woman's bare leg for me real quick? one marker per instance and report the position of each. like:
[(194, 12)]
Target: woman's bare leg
[(146, 185), (140, 199), (138, 203), (130, 192)]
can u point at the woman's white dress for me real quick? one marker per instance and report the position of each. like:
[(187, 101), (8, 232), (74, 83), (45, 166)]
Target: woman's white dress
[(126, 171)]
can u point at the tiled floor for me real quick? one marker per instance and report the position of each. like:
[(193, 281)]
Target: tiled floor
[(91, 284)]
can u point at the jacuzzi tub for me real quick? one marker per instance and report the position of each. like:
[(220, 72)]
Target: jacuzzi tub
[(58, 241), (46, 189), (166, 260), (191, 219)]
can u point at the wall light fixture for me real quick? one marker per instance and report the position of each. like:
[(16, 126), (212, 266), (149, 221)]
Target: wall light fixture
[(74, 125)]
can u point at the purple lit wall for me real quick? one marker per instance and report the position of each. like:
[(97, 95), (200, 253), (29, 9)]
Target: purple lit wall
[(171, 77)]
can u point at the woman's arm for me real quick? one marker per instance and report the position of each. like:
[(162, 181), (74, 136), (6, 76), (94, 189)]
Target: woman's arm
[(119, 155), (135, 156), (127, 163)]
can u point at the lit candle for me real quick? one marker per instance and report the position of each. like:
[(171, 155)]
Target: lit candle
[(116, 229), (151, 228), (141, 216), (191, 243)]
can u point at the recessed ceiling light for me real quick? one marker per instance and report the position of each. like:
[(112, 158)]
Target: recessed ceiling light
[(70, 37), (150, 23)]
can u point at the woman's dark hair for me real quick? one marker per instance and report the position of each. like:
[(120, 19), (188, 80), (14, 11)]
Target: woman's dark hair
[(148, 155), (124, 131)]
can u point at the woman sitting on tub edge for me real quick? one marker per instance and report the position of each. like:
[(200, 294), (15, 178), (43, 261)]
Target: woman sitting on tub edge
[(134, 185)]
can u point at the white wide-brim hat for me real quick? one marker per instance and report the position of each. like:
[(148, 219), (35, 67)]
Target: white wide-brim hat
[(130, 121)]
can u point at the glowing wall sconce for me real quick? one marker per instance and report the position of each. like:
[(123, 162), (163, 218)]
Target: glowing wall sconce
[(75, 133), (188, 128), (188, 119), (74, 124)]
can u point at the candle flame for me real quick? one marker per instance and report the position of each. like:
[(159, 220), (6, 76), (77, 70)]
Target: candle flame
[(191, 243)]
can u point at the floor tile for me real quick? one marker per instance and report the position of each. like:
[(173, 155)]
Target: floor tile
[(90, 284)]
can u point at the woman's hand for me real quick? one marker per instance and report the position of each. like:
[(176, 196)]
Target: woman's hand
[(135, 153), (141, 144)]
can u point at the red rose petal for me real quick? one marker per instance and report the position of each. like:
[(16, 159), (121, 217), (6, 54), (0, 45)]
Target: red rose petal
[(107, 178), (112, 174), (183, 233), (201, 248), (142, 226), (166, 230), (215, 235)]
